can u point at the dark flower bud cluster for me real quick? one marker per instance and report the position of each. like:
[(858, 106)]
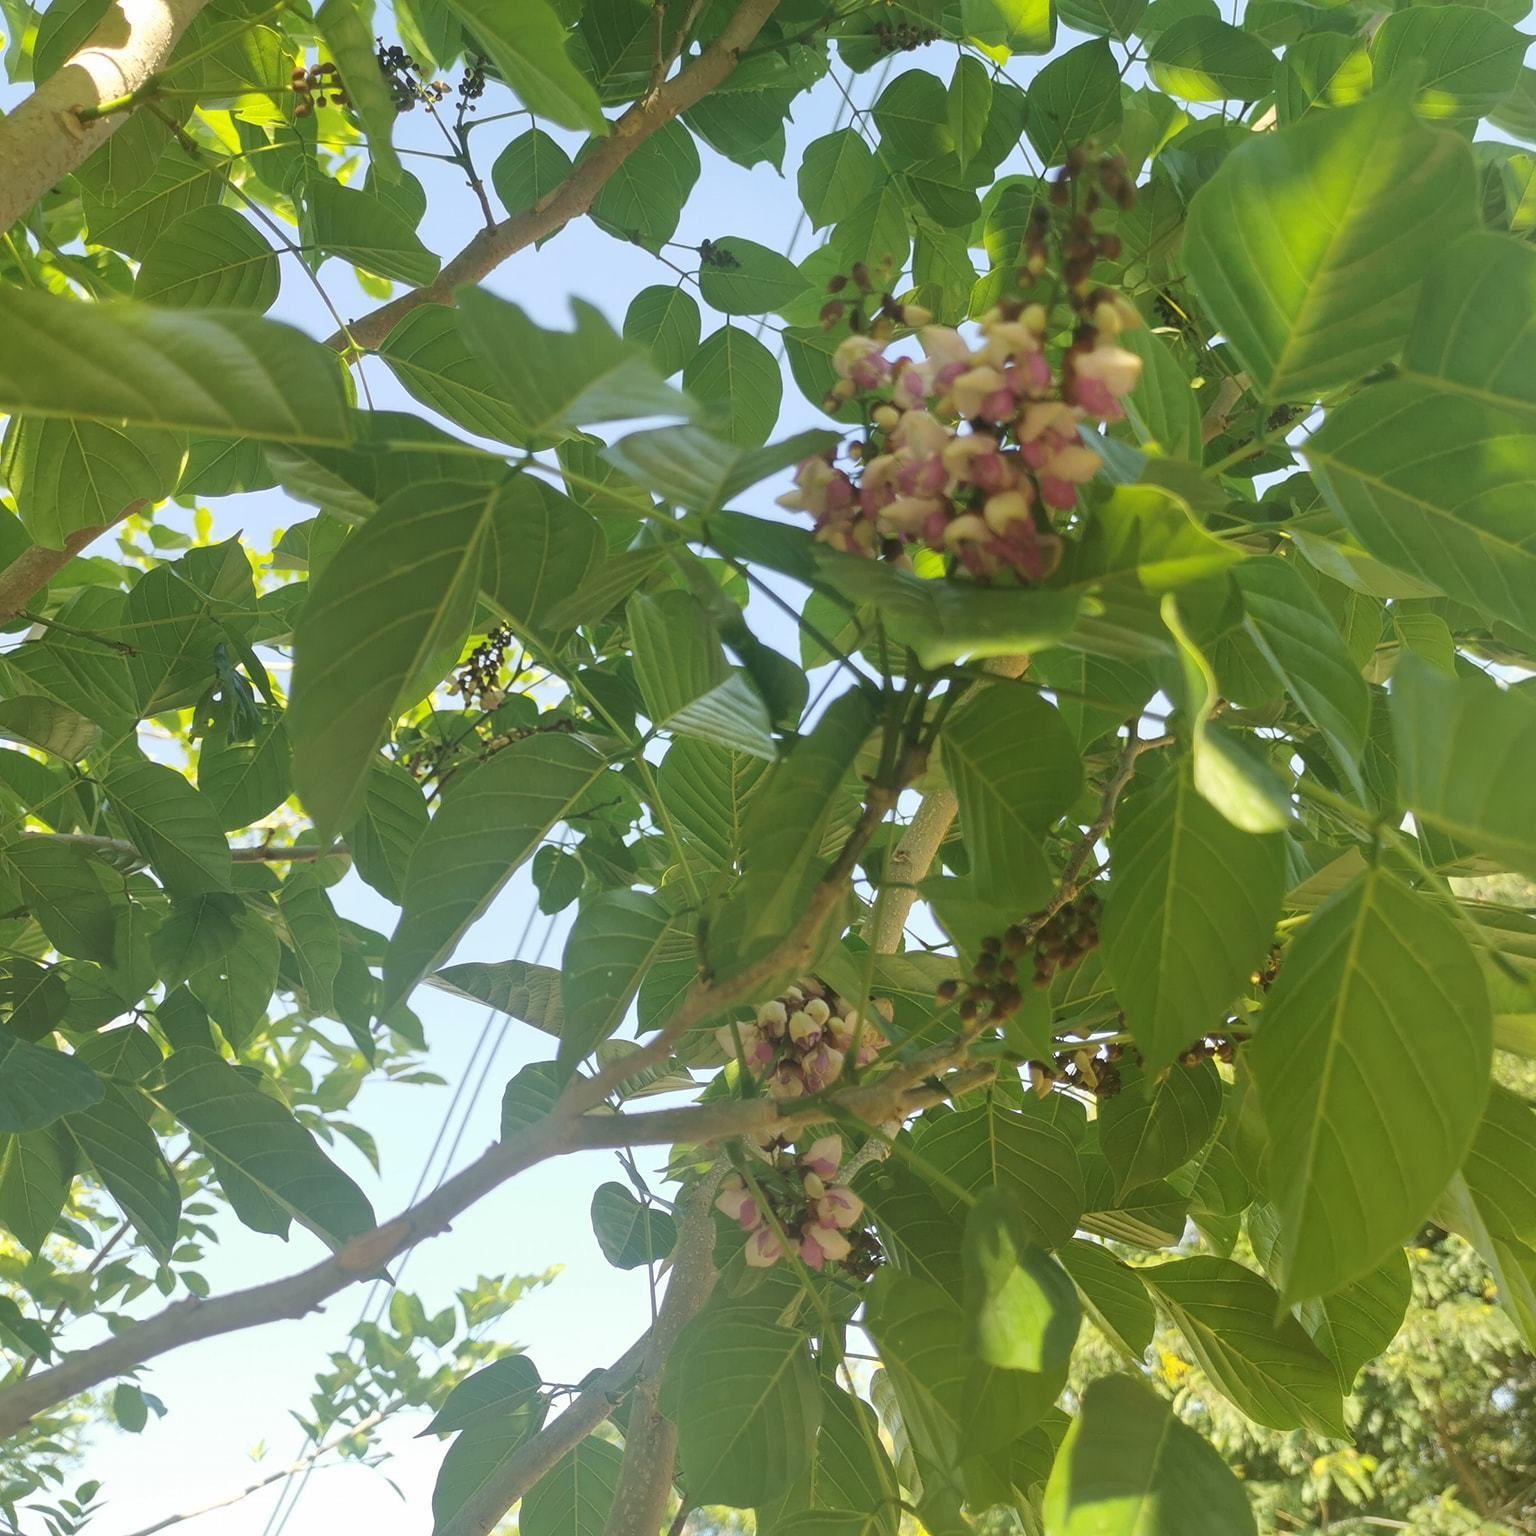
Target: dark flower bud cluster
[(903, 36), (820, 1218), (1222, 1048), (1264, 977), (406, 80), (798, 1042), (992, 993), (1063, 938), (310, 86), (1088, 1068), (479, 679)]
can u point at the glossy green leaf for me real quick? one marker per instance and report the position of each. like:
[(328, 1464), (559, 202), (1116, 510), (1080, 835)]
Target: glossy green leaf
[(39, 1085), (742, 277), (141, 367), (174, 827), (1355, 1325), (1129, 1467), (236, 986), (667, 322), (630, 1234), (540, 549), (1162, 409), (210, 258), (706, 790), (36, 1171), (527, 992), (390, 824), (114, 1138), (1074, 98), (737, 379), (1352, 204), (1020, 1304), (837, 172), (1376, 1046), (1454, 738), (383, 623), (487, 827), (1461, 60), (314, 936), (643, 200), (367, 231), (75, 900), (494, 1391), (1157, 1122), (1201, 58), (1191, 910), (268, 1164), (477, 1457), (575, 1496), (530, 167), (1009, 26), (1113, 1296), (246, 780), (614, 939), (529, 53), (47, 725), (1014, 769), (347, 28)]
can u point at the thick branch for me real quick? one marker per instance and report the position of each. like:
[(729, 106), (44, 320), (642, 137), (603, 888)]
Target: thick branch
[(650, 1441), (34, 568), (42, 141), (576, 194), (920, 844), (515, 1476)]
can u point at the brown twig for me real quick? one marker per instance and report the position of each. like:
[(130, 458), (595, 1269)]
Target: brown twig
[(488, 248), (121, 848), (34, 568)]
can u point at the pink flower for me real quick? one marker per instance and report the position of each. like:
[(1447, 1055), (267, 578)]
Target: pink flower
[(764, 1248), (974, 388), (821, 1067), (859, 359), (787, 1081), (1006, 509), (737, 1202), (803, 1029), (823, 1157), (823, 1243), (839, 1207)]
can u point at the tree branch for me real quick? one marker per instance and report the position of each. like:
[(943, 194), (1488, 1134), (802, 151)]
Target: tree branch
[(650, 1442), (535, 1457), (34, 568), (576, 194), (43, 140), (121, 848)]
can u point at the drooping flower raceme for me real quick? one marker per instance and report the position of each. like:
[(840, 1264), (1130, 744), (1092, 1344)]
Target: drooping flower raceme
[(807, 1207), (798, 1042)]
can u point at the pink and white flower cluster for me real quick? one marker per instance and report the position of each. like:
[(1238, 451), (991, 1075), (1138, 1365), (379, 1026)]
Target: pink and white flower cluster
[(974, 445), (798, 1042), (810, 1210)]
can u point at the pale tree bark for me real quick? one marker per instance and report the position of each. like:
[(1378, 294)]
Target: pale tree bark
[(43, 140), (34, 568)]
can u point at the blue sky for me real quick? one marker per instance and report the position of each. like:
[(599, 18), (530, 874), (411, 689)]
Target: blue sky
[(229, 1396)]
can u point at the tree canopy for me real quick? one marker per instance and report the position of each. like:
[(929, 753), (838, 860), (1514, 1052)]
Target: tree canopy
[(1026, 707)]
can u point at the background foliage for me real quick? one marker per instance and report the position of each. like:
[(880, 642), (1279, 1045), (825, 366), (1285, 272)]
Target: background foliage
[(1122, 785)]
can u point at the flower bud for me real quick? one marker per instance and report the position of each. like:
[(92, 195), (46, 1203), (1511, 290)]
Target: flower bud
[(823, 1156), (817, 1011), (839, 1207), (814, 1188), (764, 1248)]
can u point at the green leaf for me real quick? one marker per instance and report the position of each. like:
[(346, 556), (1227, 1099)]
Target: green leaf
[(836, 173), (137, 366), (1014, 769), (967, 106), (665, 321), (488, 826), (1155, 1124), (1473, 329), (246, 780), (363, 229), (495, 1391), (1002, 27), (1201, 58), (236, 987), (173, 826), (737, 378), (75, 900), (706, 791), (52, 727), (268, 1164), (1296, 636), (642, 201), (612, 943), (744, 278), (382, 624), (38, 1085), (388, 828), (116, 1141), (134, 221), (685, 681), (1191, 910), (428, 354), (130, 1410), (210, 258), (314, 936), (630, 1234), (530, 167), (1433, 483), (1020, 1305), (73, 475), (1162, 409), (346, 26), (530, 993), (1113, 1296), (1108, 18), (36, 1171), (196, 934), (553, 381), (1259, 1357), (1349, 1078), (477, 1457), (699, 470), (528, 51), (1455, 739), (529, 1096), (912, 114), (742, 1392), (1354, 1325), (1128, 1467), (1076, 97), (575, 1496), (1352, 205), (541, 550), (1033, 1160), (1460, 60)]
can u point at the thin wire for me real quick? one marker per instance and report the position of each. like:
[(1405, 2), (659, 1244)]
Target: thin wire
[(375, 1302)]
